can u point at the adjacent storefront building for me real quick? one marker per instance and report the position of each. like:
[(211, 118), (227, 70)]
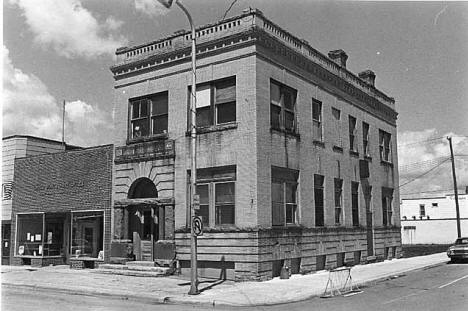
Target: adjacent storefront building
[(61, 207)]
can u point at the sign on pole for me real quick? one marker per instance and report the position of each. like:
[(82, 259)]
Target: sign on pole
[(197, 226), (196, 202)]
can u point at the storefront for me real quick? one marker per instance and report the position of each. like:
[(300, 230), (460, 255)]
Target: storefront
[(61, 207)]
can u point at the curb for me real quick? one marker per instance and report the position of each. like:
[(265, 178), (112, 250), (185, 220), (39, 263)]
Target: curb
[(209, 303)]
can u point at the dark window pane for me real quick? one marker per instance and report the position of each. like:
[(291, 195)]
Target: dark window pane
[(204, 212), (204, 116), (291, 192), (277, 193), (336, 113), (159, 104), (275, 94), (224, 193), (140, 128), (135, 109), (225, 214), (316, 110), (289, 99), (291, 213), (289, 121), (275, 116), (226, 112), (277, 213), (160, 124), (225, 91), (143, 108), (202, 191)]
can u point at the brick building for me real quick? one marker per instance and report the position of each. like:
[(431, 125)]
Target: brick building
[(13, 147), (296, 156), (62, 207)]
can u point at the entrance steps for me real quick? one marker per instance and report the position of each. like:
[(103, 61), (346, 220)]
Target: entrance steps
[(135, 268)]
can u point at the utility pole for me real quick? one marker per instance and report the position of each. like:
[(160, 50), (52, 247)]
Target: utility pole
[(63, 123), (457, 207)]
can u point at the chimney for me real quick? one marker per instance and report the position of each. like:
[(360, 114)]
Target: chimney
[(339, 57), (368, 76)]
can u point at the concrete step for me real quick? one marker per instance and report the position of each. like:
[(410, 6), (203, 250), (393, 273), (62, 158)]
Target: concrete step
[(145, 268), (162, 272), (141, 263), (113, 266)]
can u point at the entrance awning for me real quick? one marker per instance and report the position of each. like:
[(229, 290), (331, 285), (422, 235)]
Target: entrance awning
[(145, 201)]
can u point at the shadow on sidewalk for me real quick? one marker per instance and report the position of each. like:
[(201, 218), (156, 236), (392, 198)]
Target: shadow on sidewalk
[(212, 284)]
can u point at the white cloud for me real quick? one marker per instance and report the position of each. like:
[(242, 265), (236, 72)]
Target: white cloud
[(70, 29), (421, 151), (29, 109), (150, 7)]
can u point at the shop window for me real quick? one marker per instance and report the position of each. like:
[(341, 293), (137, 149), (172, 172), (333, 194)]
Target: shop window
[(149, 115), (387, 197), (282, 107), (352, 133), (217, 188), (385, 146), (338, 200), (216, 102), (355, 203), (365, 138), (87, 234), (319, 200), (283, 196), (317, 120)]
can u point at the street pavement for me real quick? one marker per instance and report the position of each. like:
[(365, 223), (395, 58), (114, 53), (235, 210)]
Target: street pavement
[(174, 289)]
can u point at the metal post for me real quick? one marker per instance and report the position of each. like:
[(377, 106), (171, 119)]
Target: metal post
[(193, 166), (457, 207), (63, 123)]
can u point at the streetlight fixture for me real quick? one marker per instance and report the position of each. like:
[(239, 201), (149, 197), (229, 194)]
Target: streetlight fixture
[(193, 140)]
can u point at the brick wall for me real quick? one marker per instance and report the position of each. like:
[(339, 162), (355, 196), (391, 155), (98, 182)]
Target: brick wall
[(63, 182)]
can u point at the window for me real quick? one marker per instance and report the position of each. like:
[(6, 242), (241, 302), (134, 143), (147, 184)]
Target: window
[(148, 115), (282, 106), (216, 102), (336, 113), (387, 197), (88, 233), (283, 196), (422, 210), (317, 120), (365, 138), (319, 200), (384, 146), (217, 188), (352, 133), (435, 204), (355, 202), (7, 188), (338, 200)]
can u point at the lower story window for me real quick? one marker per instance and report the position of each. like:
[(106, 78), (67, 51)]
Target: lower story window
[(284, 196), (387, 197)]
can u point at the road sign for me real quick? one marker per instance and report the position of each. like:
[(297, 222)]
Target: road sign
[(197, 226), (196, 202)]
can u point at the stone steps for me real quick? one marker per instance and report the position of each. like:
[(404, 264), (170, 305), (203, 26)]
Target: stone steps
[(135, 268)]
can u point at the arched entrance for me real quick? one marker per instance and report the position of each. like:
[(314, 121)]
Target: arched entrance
[(143, 219)]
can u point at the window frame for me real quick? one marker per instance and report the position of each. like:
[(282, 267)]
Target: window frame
[(352, 127), (319, 187), (336, 115), (385, 146), (387, 206), (148, 119), (283, 110), (338, 200), (422, 210), (355, 203), (365, 138), (288, 180), (317, 123)]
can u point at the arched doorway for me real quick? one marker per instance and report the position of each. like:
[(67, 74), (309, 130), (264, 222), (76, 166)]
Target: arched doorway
[(143, 219)]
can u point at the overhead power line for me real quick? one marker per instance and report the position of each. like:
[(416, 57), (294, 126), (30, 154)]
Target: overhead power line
[(229, 8), (420, 142), (425, 173)]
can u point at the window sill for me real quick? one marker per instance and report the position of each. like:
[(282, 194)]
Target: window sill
[(386, 163), (147, 138), (354, 153), (215, 128), (286, 132), (318, 143), (338, 149)]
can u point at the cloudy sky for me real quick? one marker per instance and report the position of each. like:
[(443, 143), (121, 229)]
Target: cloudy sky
[(55, 50)]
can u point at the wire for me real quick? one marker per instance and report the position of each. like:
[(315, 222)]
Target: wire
[(417, 177), (229, 8), (428, 191), (420, 142)]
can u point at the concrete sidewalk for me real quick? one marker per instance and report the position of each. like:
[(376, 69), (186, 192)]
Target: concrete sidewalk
[(174, 289)]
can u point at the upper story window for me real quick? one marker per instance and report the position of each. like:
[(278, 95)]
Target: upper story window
[(365, 138), (336, 113), (422, 210), (283, 196), (387, 209), (282, 107), (317, 131), (149, 115), (385, 146), (352, 133), (216, 102)]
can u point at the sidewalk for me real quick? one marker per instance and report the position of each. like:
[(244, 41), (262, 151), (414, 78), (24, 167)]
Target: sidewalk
[(174, 289)]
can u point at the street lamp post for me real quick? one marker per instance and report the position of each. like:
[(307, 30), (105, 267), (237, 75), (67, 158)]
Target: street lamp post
[(193, 140)]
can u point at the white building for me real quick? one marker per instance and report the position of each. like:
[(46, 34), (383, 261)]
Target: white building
[(432, 220)]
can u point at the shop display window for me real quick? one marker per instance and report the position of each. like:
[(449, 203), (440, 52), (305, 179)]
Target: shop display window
[(87, 234)]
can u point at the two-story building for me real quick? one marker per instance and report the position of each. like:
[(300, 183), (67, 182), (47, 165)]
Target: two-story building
[(296, 155)]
